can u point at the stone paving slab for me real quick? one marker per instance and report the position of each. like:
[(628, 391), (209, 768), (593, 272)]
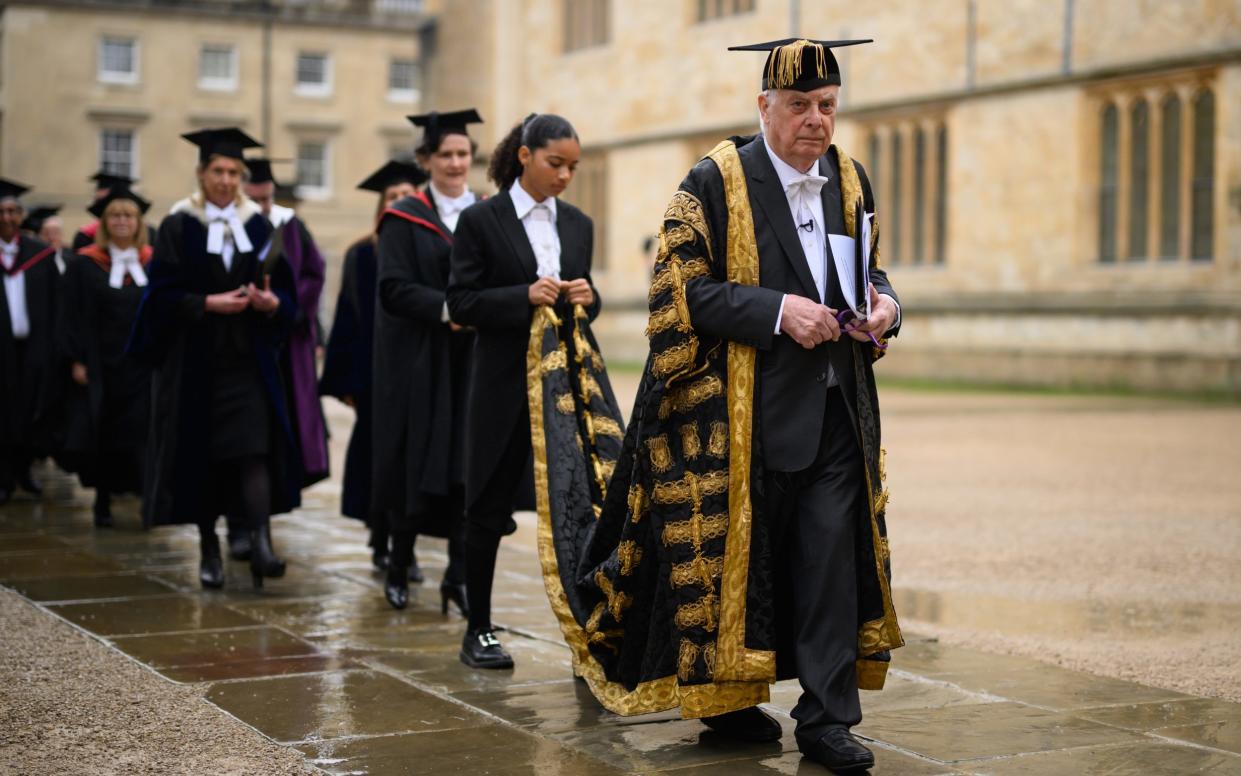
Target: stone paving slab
[(319, 661)]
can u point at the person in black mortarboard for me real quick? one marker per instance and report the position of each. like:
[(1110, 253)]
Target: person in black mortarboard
[(104, 182), (419, 480), (28, 386), (43, 223), (293, 244), (751, 500), (347, 366), (213, 322), (107, 415)]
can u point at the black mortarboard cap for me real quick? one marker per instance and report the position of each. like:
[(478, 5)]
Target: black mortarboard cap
[(435, 125), (392, 173), (12, 189), (224, 141), (106, 180), (800, 64), (37, 215), (260, 169), (286, 192), (98, 207)]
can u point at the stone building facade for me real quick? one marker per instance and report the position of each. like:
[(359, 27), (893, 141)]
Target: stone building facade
[(1059, 182)]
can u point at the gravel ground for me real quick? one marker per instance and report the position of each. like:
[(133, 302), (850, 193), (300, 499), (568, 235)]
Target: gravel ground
[(71, 705), (1097, 533)]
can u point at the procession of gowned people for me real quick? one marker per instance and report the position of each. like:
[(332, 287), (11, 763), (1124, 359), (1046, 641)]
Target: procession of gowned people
[(731, 534)]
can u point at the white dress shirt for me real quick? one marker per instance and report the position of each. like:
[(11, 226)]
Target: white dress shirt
[(125, 262), (803, 191), (15, 290), (539, 220), (450, 208)]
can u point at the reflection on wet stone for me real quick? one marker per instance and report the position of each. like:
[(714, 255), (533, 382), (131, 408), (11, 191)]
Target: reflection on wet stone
[(85, 588), (205, 647), (155, 615), (331, 705)]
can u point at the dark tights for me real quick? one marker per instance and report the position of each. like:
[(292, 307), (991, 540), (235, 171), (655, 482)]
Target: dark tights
[(249, 486)]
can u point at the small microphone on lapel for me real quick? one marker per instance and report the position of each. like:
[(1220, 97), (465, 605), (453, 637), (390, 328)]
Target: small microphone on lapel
[(808, 226)]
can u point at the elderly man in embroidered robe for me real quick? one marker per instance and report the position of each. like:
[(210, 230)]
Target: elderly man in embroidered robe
[(742, 537)]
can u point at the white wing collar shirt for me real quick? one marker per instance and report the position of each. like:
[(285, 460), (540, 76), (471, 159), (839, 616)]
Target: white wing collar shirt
[(539, 220), (15, 290), (450, 208), (226, 233)]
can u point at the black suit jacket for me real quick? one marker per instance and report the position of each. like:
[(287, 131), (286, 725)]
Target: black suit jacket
[(493, 266), (793, 381)]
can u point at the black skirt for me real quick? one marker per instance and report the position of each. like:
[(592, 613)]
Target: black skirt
[(239, 412)]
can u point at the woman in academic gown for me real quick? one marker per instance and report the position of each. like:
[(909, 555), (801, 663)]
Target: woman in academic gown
[(422, 363), (512, 253), (108, 406), (213, 320), (347, 367)]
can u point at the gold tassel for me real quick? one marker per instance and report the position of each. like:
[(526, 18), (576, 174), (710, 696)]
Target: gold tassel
[(785, 63)]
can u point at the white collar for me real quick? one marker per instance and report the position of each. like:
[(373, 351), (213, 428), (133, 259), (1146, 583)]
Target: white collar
[(787, 172), (523, 203), (280, 215), (122, 254), (11, 247), (460, 203)]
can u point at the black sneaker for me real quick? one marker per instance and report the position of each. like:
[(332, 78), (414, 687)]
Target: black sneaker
[(481, 649)]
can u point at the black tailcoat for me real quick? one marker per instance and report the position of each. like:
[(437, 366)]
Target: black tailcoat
[(792, 380), (493, 266)]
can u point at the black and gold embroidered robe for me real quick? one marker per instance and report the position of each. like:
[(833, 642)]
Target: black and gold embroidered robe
[(655, 553)]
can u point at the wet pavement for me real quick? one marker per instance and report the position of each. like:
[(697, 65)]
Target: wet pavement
[(319, 662)]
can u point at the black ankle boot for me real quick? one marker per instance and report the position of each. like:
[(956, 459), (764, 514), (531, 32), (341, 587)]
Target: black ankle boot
[(211, 565), (454, 592), (263, 560), (239, 547), (396, 587), (103, 509), (415, 573)]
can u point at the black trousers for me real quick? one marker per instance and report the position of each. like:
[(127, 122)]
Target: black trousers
[(489, 518), (813, 514)]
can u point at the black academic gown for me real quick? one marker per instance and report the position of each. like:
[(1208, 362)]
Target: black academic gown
[(192, 351), (30, 396), (107, 420), (493, 266), (347, 370), (421, 369)]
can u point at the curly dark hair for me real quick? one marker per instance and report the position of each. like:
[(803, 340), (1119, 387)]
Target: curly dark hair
[(535, 132)]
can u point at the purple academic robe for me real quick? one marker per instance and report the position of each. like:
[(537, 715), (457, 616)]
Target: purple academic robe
[(308, 269)]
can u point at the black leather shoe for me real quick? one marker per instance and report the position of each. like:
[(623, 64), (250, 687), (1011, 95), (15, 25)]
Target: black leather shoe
[(839, 751), (211, 565), (239, 546), (456, 594), (380, 559), (749, 724), (415, 574), (28, 483), (396, 588), (481, 649)]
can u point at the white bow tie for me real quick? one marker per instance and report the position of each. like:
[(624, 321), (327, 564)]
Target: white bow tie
[(805, 186), (220, 220), (125, 262)]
